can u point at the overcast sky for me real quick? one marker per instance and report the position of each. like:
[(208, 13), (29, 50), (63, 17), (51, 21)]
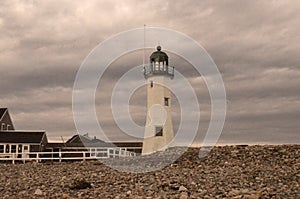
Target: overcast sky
[(255, 45)]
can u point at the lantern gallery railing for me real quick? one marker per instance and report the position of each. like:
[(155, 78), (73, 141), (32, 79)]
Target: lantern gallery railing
[(158, 69), (88, 154)]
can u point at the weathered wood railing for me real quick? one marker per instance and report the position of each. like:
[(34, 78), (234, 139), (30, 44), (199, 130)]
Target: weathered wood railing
[(89, 154)]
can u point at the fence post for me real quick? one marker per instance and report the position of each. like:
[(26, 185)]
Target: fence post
[(59, 155), (13, 158), (84, 156), (24, 156), (125, 151)]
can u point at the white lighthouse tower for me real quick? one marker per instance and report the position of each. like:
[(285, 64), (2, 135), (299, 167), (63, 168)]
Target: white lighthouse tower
[(159, 129)]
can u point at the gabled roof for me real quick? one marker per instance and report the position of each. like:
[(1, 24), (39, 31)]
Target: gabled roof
[(2, 112), (22, 136), (83, 138), (6, 120), (86, 141)]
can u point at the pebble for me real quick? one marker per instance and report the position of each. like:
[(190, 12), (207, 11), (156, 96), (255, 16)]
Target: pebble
[(227, 172), (182, 188), (65, 196), (38, 192), (128, 193), (184, 195)]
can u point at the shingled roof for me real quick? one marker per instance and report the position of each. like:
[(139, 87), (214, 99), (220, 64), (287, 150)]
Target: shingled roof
[(5, 119), (83, 138), (86, 141), (22, 136), (2, 111)]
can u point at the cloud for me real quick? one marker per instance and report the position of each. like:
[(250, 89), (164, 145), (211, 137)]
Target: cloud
[(254, 44)]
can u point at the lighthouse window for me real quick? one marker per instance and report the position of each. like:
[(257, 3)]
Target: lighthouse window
[(151, 84), (166, 101), (156, 66), (158, 131)]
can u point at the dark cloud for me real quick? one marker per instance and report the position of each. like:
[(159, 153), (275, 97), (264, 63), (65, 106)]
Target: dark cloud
[(254, 44)]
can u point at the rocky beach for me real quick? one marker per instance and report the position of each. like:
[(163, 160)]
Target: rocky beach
[(227, 172)]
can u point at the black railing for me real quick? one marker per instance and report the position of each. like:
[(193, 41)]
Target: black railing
[(151, 70)]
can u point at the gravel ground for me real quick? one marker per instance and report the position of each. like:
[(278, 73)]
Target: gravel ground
[(227, 172)]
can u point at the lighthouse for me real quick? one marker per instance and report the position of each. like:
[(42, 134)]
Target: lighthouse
[(159, 129)]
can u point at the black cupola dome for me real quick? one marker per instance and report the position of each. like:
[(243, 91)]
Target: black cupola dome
[(159, 56)]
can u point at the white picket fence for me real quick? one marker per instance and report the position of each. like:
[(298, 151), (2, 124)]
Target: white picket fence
[(89, 154)]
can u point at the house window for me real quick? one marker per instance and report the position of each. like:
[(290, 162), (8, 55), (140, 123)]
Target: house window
[(1, 148), (158, 131), (13, 148), (8, 127), (3, 126), (166, 101), (20, 148), (151, 84), (7, 148)]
